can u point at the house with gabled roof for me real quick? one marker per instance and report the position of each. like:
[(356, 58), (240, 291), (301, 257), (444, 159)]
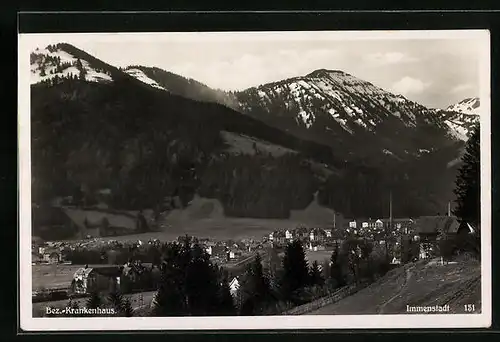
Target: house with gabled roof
[(51, 256), (431, 229), (234, 286), (89, 279)]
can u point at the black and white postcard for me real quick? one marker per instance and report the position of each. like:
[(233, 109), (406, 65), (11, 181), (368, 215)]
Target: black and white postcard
[(310, 180)]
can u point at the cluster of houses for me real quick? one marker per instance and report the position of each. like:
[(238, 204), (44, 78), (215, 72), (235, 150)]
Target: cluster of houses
[(425, 230), (53, 252), (314, 238), (228, 251), (319, 238)]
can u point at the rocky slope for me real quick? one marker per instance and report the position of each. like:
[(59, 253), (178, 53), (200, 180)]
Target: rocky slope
[(462, 117), (352, 116)]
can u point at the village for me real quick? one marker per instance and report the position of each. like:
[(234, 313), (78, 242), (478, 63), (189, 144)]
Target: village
[(94, 264)]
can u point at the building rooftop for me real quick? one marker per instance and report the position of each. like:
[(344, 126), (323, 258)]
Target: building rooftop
[(436, 224)]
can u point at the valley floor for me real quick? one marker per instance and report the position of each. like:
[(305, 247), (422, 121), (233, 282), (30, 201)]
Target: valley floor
[(213, 228)]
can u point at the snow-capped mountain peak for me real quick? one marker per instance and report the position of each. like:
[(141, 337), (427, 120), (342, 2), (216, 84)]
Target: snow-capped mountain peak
[(467, 106), (336, 95), (65, 61), (462, 117), (333, 107)]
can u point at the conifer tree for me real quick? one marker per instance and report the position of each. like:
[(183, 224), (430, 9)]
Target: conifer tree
[(295, 269), (169, 299), (255, 290), (467, 182), (201, 283), (336, 270)]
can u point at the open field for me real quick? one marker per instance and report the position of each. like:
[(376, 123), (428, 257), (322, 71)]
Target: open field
[(416, 284), (205, 218), (213, 228), (319, 256), (136, 299)]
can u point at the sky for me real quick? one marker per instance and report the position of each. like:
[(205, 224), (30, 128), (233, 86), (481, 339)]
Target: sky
[(430, 67)]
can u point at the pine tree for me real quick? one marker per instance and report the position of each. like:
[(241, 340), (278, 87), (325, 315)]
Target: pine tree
[(255, 290), (80, 68), (201, 284), (170, 299), (336, 270), (295, 269), (467, 183)]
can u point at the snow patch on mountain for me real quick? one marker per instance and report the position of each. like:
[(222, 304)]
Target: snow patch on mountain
[(457, 130), (51, 62), (307, 118), (334, 95), (462, 117), (141, 76)]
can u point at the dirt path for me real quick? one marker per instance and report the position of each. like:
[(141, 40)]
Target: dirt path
[(407, 278)]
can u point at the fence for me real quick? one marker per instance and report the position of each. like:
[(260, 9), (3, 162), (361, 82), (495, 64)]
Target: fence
[(334, 297)]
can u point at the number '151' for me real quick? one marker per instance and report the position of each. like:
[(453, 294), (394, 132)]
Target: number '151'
[(469, 308)]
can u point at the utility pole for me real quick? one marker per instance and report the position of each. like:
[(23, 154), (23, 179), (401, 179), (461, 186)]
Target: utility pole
[(449, 208)]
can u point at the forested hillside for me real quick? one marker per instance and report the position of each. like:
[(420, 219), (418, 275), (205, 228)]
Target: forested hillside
[(146, 135)]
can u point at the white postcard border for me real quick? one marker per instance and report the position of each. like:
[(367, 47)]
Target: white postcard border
[(29, 323)]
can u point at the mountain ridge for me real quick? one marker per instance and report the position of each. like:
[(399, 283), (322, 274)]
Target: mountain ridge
[(138, 139)]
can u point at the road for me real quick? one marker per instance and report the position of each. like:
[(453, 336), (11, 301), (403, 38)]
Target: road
[(407, 278)]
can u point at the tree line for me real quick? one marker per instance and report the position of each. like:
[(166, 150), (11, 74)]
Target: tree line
[(190, 284)]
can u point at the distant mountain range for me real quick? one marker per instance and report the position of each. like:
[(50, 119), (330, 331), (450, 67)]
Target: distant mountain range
[(462, 117), (148, 134)]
